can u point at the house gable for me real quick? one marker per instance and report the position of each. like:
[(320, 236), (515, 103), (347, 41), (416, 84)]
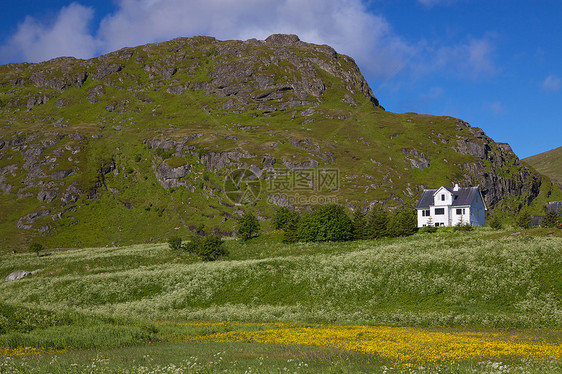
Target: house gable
[(448, 207)]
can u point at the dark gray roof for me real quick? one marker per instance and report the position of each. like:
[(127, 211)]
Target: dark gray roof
[(464, 196), (555, 206)]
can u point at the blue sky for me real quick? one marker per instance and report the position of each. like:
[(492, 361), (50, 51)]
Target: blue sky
[(495, 64)]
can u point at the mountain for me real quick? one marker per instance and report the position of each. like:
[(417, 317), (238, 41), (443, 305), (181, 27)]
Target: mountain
[(144, 142), (548, 163)]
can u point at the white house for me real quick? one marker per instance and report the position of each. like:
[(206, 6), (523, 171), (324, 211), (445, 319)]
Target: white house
[(449, 207)]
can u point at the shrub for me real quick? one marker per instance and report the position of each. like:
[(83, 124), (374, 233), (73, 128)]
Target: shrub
[(248, 226), (496, 223), (208, 248), (282, 217), (35, 247), (463, 227), (523, 219), (551, 219), (430, 228), (326, 223), (174, 243)]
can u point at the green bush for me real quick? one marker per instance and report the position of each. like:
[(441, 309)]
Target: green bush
[(496, 223), (35, 247), (551, 219), (463, 227), (174, 243), (326, 223), (282, 217), (248, 226), (208, 248), (430, 227)]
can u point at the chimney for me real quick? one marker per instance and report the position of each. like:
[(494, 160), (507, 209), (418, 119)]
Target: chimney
[(456, 188)]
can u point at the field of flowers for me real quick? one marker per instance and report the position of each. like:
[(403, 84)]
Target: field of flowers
[(389, 299), (398, 344)]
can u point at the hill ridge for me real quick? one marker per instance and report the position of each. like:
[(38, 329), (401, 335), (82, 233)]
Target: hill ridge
[(128, 146)]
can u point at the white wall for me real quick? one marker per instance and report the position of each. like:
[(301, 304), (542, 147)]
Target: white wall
[(464, 218), (437, 197)]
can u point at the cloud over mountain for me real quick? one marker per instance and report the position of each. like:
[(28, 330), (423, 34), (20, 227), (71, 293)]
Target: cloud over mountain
[(347, 25)]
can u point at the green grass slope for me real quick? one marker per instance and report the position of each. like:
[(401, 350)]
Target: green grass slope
[(479, 279), (548, 163), (134, 146)]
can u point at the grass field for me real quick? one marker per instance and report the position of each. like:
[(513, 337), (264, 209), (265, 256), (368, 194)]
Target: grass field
[(484, 301)]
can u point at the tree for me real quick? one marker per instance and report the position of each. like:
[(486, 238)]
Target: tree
[(326, 223), (402, 222), (291, 230), (377, 223), (551, 219), (248, 226), (174, 243), (35, 247), (359, 224), (282, 217), (523, 219)]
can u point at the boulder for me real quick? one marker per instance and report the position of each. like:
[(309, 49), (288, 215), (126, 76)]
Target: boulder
[(18, 274)]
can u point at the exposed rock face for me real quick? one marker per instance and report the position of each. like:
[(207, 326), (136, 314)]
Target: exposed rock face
[(416, 158), (492, 180), (169, 176)]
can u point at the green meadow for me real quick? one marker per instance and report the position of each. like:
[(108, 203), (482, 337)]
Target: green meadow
[(132, 308)]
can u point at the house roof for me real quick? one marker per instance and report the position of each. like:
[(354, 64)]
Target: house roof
[(555, 206), (463, 197)]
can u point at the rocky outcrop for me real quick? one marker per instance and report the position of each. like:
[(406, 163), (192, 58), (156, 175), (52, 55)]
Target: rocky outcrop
[(171, 177), (416, 158), (505, 176), (217, 160)]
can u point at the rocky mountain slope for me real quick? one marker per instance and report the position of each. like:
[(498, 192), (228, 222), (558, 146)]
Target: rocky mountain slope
[(144, 142), (548, 163)]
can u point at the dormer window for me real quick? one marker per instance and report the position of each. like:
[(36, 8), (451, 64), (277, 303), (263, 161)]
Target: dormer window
[(442, 197)]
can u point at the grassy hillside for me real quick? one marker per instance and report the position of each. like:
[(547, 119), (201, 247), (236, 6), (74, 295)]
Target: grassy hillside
[(548, 163), (481, 278), (146, 294), (129, 146)]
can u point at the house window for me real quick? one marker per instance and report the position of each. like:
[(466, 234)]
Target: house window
[(436, 224), (459, 212), (439, 211), (426, 213), (443, 197)]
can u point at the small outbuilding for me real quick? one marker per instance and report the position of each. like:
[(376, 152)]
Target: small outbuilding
[(451, 206)]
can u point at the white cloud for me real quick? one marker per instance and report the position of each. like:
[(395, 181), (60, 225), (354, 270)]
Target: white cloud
[(430, 3), (552, 83), (346, 25), (473, 59), (497, 108), (67, 35)]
